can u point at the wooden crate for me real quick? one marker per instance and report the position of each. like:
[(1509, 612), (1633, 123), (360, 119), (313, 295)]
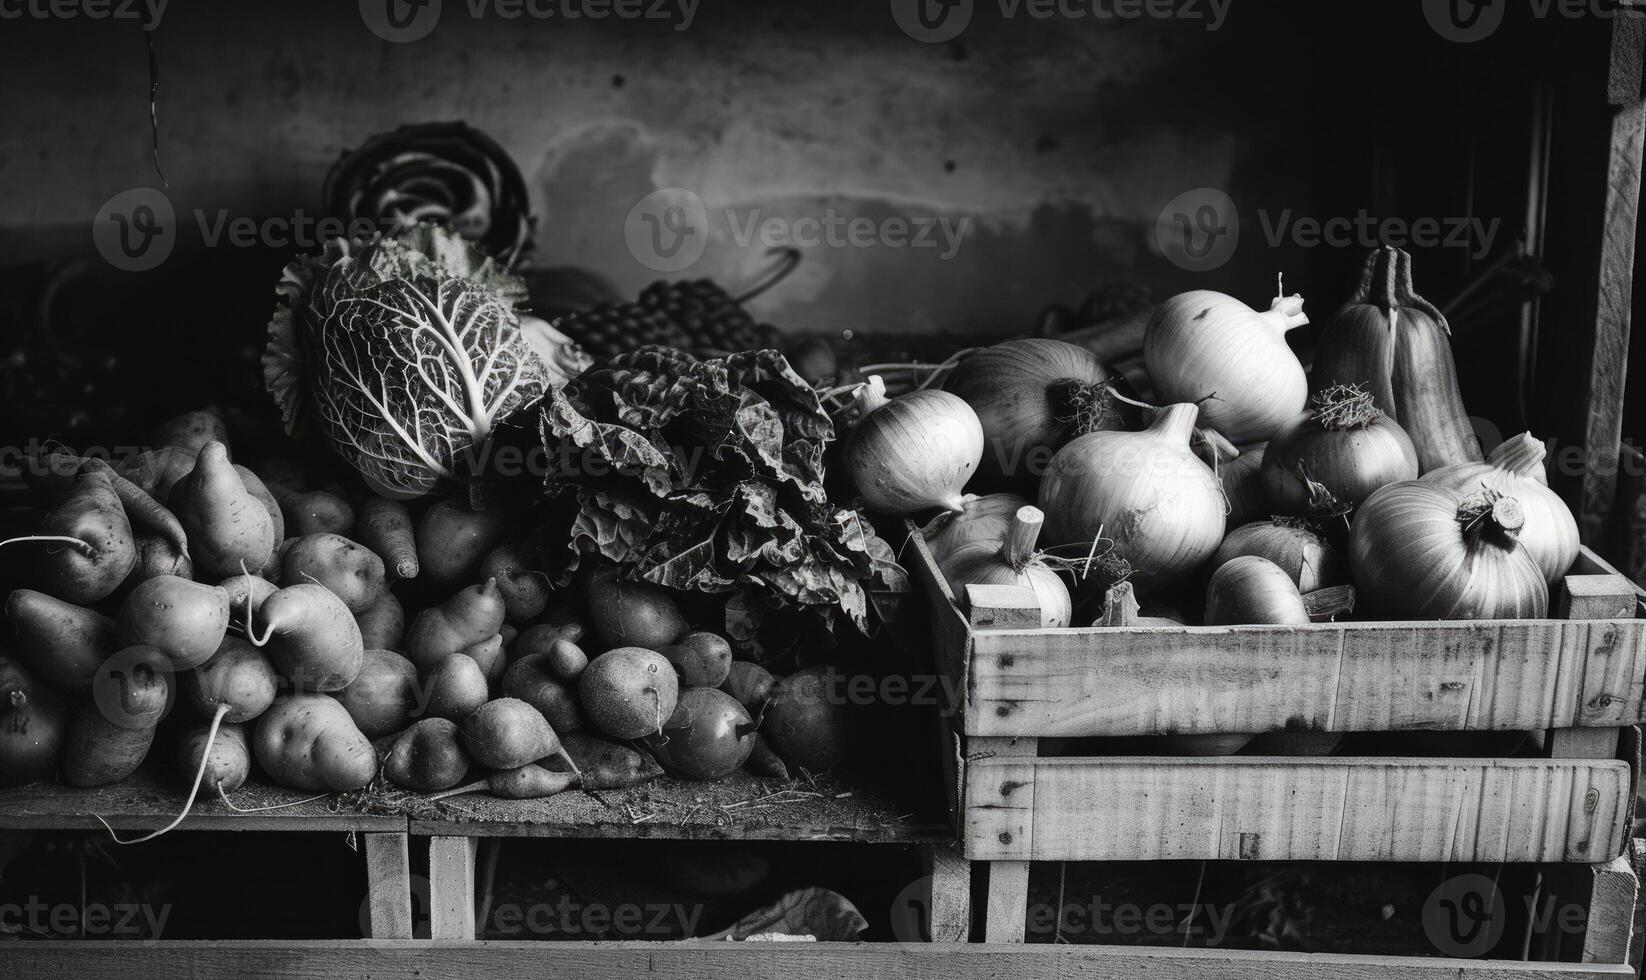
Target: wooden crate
[(1579, 678)]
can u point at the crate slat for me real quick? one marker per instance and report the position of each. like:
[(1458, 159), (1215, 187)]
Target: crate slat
[(1296, 809)]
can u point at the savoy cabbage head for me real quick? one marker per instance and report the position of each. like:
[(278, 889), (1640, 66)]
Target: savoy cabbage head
[(405, 352)]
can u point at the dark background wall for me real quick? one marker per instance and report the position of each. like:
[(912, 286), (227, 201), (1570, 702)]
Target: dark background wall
[(1058, 141)]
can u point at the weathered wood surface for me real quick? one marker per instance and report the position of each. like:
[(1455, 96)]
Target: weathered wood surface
[(389, 885), (146, 802), (414, 960), (451, 888), (1610, 923), (1583, 671), (1296, 809)]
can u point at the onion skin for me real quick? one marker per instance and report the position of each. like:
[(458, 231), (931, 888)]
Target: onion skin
[(1411, 557), (978, 529), (1020, 390), (1242, 479), (1351, 463), (1202, 344), (1249, 591), (1013, 562), (915, 452), (1306, 557), (1515, 469), (1145, 491)]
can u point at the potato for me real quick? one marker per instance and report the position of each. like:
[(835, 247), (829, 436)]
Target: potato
[(532, 680), (308, 742), (507, 734), (384, 696), (352, 571), (457, 688), (427, 757)]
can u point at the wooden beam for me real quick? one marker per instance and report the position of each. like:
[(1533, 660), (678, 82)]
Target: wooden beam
[(1609, 352), (1610, 922), (419, 960), (451, 888), (388, 886)]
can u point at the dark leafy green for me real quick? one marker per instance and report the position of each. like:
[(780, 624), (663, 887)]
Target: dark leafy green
[(707, 476)]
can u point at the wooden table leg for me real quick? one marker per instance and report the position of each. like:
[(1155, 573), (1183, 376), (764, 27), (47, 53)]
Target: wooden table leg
[(949, 903), (451, 888), (388, 886)]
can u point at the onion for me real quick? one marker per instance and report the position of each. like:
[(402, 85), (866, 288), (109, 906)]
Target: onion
[(981, 522), (1014, 562), (1249, 590), (1300, 551), (1145, 491), (1426, 551), (914, 453), (1232, 361), (1032, 396), (1515, 469), (1344, 447)]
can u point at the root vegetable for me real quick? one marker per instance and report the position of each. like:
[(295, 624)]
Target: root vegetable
[(534, 680), (350, 570), (246, 595), (715, 743), (528, 782), (539, 638), (807, 725), (317, 512), (472, 616), (187, 620), (237, 677), (84, 549), (525, 589), (384, 696), (383, 623), (701, 658), (507, 734), (262, 494), (157, 556), (311, 638), (629, 692), (452, 540), (224, 762), (33, 728), (229, 529), (427, 757), (191, 431), (567, 660), (110, 736), (764, 762), (633, 614), (385, 527), (456, 688), (750, 684), (62, 643), (604, 764), (309, 742)]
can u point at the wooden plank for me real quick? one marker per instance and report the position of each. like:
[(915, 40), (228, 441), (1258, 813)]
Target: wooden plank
[(1583, 743), (419, 960), (1296, 809), (1008, 880), (1596, 597), (1608, 347), (949, 895), (1354, 677), (388, 886), (1002, 607), (146, 802), (673, 809), (951, 634), (1610, 923), (451, 888)]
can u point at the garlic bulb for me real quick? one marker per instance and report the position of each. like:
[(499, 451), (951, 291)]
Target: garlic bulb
[(1515, 469), (1249, 590), (1299, 550), (1014, 562), (1422, 550), (1215, 351), (914, 452), (1145, 491)]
